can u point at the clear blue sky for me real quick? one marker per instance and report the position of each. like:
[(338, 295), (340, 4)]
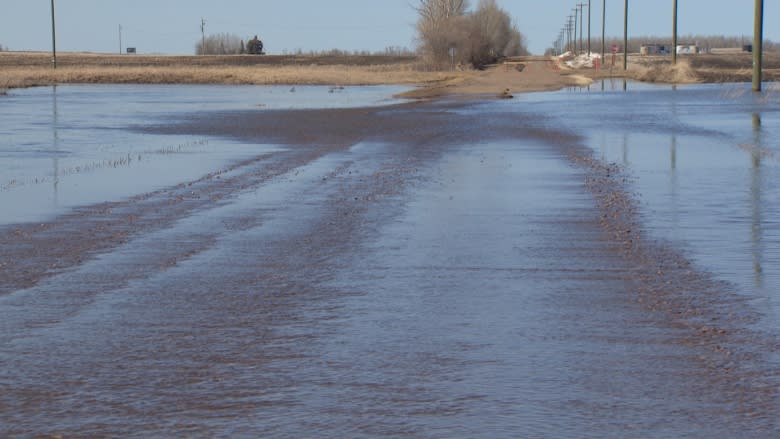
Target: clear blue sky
[(173, 26)]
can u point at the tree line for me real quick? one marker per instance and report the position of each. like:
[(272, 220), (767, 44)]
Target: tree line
[(228, 44), (450, 32)]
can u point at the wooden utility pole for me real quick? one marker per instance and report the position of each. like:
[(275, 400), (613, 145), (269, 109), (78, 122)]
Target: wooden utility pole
[(674, 33), (120, 39), (575, 31), (758, 45), (581, 6), (53, 38), (202, 36), (603, 30), (625, 36), (572, 29), (588, 27)]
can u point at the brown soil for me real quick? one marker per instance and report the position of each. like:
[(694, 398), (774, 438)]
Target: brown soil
[(517, 75)]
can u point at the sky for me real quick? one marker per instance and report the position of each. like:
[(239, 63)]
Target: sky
[(174, 26)]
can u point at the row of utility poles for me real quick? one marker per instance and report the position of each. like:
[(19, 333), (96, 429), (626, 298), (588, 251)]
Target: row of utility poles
[(567, 37)]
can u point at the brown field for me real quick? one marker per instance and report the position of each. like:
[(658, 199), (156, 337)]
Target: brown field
[(705, 68), (19, 69), (35, 69)]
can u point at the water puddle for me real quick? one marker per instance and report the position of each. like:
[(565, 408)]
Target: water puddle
[(67, 146)]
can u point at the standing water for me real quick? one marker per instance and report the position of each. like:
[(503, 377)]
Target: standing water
[(431, 270)]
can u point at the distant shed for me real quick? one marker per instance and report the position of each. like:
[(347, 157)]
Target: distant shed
[(654, 49)]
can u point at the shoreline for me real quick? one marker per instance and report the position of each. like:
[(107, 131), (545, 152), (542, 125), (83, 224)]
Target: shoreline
[(515, 75)]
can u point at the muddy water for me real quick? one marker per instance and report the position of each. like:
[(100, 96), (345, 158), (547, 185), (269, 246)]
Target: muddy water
[(434, 270)]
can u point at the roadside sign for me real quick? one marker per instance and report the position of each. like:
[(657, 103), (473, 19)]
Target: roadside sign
[(615, 48)]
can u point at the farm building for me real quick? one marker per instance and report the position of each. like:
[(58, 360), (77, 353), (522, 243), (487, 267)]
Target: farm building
[(654, 49)]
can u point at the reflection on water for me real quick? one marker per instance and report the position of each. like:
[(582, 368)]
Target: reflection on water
[(756, 187), (704, 159), (55, 146)]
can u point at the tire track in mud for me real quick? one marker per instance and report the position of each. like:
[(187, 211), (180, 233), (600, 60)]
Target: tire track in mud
[(33, 252), (735, 359)]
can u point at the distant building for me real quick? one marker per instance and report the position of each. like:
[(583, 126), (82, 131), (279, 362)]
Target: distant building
[(654, 49), (131, 50), (687, 49)]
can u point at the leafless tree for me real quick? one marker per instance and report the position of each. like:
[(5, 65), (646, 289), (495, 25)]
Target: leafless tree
[(219, 44), (493, 35), (440, 27), (446, 29)]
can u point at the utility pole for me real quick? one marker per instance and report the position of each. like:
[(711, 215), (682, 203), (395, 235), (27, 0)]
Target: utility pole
[(53, 38), (576, 12), (581, 6), (758, 45), (582, 26), (674, 33), (120, 39), (588, 27), (625, 36), (603, 30), (203, 36)]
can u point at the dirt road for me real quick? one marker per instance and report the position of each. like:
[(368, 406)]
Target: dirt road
[(517, 75)]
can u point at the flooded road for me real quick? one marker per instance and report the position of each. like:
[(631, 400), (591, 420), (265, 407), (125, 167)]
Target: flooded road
[(417, 270)]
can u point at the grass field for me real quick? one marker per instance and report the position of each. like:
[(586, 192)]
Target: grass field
[(35, 69), (24, 69)]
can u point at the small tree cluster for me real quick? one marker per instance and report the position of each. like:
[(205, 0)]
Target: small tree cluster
[(219, 44), (448, 32), (2, 48), (255, 46)]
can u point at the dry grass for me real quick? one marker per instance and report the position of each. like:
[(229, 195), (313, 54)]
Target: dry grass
[(26, 70), (712, 68), (682, 73)]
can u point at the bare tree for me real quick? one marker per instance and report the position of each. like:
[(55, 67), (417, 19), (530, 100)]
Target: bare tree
[(219, 44), (493, 35), (446, 29), (440, 27)]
